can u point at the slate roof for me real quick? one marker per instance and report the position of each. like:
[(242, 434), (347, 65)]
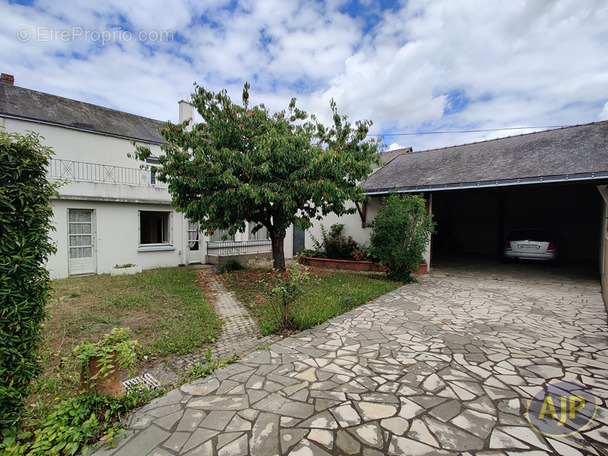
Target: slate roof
[(578, 153), (20, 103)]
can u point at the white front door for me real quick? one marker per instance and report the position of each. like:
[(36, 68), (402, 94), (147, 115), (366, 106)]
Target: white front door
[(81, 241), (193, 249)]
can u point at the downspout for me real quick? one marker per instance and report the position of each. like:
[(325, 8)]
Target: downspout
[(427, 252), (186, 112)]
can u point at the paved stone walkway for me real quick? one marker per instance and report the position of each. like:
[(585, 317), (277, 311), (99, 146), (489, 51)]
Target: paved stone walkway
[(240, 334), (443, 367)]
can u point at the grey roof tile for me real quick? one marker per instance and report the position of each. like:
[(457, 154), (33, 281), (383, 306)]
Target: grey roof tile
[(566, 151), (35, 106)]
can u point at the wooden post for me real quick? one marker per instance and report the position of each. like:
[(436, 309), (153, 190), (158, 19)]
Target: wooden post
[(362, 212)]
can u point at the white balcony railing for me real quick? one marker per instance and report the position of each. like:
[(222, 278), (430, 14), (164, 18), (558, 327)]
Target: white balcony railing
[(233, 248), (75, 171)]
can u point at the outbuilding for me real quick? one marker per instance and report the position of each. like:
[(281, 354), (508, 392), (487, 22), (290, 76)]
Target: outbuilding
[(554, 179)]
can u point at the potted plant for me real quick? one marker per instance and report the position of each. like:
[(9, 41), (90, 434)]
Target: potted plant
[(100, 363), (125, 269)]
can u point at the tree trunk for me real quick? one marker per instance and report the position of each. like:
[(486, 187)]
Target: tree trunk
[(278, 251)]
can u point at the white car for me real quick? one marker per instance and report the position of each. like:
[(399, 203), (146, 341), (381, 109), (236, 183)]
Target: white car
[(530, 244)]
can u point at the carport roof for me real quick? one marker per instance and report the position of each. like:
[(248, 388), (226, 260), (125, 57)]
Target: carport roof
[(578, 153), (31, 105)]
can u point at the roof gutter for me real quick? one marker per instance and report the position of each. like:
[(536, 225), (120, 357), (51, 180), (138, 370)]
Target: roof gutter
[(560, 178)]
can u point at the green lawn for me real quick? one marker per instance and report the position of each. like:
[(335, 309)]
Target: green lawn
[(165, 309), (327, 295)]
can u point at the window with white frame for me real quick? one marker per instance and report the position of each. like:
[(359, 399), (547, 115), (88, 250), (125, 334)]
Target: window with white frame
[(155, 227), (259, 235), (154, 167)]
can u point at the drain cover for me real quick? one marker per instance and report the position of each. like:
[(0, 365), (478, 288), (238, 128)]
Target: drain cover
[(143, 381)]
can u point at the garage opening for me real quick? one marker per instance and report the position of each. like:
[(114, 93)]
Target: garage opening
[(475, 223)]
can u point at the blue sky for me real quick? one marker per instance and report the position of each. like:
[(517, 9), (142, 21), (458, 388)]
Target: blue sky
[(411, 67)]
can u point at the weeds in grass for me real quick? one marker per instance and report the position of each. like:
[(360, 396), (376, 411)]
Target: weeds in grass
[(229, 264), (165, 309), (74, 424), (325, 296), (201, 370), (288, 287)]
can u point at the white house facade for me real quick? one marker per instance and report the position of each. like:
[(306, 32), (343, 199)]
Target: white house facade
[(110, 211)]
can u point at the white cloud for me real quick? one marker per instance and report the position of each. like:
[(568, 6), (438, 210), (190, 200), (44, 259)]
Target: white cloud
[(527, 63), (395, 146), (604, 114), (424, 66)]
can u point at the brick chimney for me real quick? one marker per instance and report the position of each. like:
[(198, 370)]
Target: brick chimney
[(8, 79)]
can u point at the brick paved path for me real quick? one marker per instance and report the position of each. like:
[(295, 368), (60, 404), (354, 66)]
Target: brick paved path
[(443, 367), (240, 334)]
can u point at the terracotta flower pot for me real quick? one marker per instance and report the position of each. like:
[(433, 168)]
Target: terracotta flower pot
[(108, 386)]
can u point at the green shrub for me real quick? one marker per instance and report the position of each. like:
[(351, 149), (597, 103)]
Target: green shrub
[(115, 350), (400, 233), (289, 286), (229, 264), (25, 246), (335, 246), (73, 424)]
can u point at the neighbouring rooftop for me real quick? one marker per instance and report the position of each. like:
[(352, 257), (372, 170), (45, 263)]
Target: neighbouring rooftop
[(578, 153)]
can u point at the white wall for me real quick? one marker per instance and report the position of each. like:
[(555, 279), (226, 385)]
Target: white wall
[(116, 236), (69, 144), (352, 226), (116, 206)]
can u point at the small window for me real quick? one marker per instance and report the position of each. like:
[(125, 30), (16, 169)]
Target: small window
[(260, 235), (154, 227), (154, 167)]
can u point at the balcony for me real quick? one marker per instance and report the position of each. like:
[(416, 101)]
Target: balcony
[(73, 171), (97, 182)]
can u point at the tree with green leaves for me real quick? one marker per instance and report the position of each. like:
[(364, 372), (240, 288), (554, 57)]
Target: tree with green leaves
[(243, 164)]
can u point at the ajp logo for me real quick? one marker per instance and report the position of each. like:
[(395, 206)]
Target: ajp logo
[(561, 409)]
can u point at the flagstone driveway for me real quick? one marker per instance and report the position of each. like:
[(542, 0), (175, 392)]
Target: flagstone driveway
[(445, 366)]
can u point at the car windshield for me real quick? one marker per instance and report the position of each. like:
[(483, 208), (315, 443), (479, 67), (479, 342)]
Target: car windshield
[(531, 235)]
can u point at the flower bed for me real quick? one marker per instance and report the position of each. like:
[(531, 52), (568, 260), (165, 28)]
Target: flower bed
[(328, 263), (352, 265)]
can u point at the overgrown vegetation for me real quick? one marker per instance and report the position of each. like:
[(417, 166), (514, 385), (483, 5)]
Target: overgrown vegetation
[(167, 312), (165, 309), (25, 214), (400, 233), (90, 418), (72, 424), (115, 352), (204, 369), (287, 287), (326, 295), (229, 264), (334, 245)]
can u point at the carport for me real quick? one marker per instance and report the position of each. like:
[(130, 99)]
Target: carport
[(478, 193), (476, 222)]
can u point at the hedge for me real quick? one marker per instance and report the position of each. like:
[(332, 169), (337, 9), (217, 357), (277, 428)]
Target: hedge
[(25, 221)]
